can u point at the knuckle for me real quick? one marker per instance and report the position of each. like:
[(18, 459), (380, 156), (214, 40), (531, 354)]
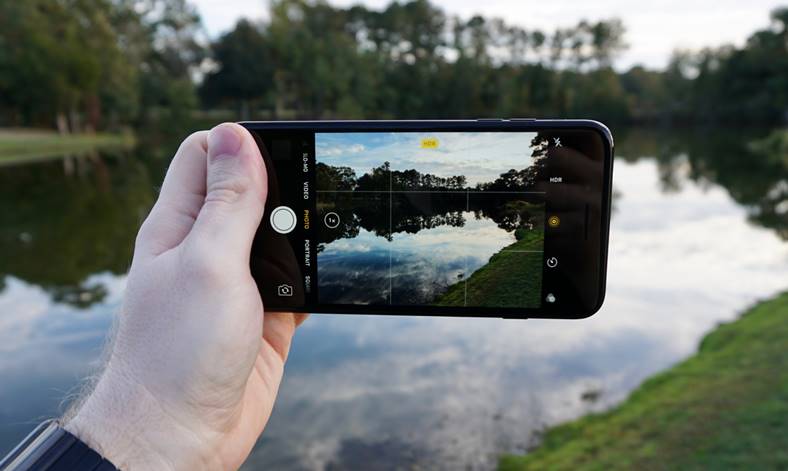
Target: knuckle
[(220, 196), (228, 189)]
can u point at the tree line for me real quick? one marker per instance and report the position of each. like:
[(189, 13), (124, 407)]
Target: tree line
[(102, 63), (383, 178), (92, 64)]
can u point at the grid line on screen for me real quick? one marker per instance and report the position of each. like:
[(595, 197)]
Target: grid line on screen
[(391, 234), (428, 264), (465, 271), (435, 191), (467, 193)]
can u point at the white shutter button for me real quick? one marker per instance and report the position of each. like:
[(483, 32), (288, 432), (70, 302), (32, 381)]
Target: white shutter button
[(283, 219)]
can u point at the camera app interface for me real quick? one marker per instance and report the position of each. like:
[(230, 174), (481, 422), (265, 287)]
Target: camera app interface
[(441, 219)]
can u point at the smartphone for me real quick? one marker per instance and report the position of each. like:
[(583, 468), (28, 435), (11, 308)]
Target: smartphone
[(486, 218)]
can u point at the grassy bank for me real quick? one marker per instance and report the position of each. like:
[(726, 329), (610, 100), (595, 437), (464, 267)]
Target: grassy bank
[(510, 278), (724, 408), (20, 145)]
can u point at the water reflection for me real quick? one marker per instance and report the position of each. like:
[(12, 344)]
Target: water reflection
[(422, 263), (46, 347), (754, 179), (695, 239), (426, 263), (422, 247), (59, 226), (456, 392)]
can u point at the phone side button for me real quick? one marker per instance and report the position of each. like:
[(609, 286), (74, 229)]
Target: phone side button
[(522, 119)]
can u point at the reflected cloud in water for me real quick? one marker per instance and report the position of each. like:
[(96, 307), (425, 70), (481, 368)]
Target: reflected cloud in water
[(451, 393), (460, 392), (46, 348), (422, 264)]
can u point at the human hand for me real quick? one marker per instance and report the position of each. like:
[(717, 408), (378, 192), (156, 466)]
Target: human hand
[(195, 366)]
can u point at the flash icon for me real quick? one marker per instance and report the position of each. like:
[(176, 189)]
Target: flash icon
[(557, 141)]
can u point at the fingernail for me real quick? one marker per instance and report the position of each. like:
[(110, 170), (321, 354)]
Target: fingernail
[(223, 141)]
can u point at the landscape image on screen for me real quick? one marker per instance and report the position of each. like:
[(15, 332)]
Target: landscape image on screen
[(440, 219)]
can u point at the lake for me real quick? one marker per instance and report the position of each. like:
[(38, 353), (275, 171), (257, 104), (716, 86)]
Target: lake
[(411, 268), (699, 232)]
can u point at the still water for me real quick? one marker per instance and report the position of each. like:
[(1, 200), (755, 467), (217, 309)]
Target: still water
[(414, 267), (699, 232)]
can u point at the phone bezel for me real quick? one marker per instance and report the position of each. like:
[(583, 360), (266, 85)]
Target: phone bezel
[(477, 125)]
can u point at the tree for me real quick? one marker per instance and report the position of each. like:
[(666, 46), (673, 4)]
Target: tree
[(743, 84), (70, 50), (607, 40), (95, 63), (170, 53), (378, 179), (244, 72), (330, 178)]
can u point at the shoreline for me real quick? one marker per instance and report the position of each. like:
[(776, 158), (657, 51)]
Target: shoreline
[(507, 279), (22, 145), (725, 407)]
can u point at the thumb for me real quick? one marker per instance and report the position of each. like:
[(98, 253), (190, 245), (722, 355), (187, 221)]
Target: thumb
[(236, 188)]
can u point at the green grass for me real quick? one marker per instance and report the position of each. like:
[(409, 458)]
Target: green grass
[(724, 408), (510, 278), (22, 145)]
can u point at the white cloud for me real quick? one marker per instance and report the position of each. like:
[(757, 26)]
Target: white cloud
[(480, 156), (330, 151)]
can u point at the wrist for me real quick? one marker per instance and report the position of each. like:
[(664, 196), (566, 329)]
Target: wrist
[(123, 422)]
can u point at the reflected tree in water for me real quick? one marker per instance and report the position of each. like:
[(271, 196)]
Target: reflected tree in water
[(753, 168), (60, 223)]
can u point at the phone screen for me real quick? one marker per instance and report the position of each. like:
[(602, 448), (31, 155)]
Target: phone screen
[(432, 218)]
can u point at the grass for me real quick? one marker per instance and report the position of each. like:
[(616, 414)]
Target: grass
[(724, 408), (23, 145), (510, 278)]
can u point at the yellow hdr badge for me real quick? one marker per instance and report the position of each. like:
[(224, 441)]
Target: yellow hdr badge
[(429, 143)]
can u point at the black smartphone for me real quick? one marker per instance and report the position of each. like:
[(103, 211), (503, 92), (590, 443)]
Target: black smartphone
[(485, 218)]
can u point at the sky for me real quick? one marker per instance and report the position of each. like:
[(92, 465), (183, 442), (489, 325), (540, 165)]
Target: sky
[(654, 28), (480, 156)]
